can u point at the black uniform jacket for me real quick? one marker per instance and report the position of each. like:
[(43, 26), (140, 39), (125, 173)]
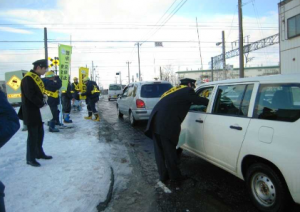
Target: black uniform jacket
[(32, 101), (89, 88), (52, 85), (170, 111), (68, 93), (76, 91)]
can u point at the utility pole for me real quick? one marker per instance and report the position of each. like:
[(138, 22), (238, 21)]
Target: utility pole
[(223, 52), (212, 69), (92, 77), (46, 45), (160, 74), (128, 71), (70, 64), (241, 41), (138, 44)]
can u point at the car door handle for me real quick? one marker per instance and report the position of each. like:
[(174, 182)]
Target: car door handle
[(199, 121), (236, 127)]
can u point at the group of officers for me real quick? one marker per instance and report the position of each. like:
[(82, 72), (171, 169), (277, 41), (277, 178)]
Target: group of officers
[(37, 92)]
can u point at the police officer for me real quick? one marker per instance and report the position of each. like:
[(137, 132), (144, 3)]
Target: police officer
[(52, 85), (75, 92), (32, 88), (66, 103), (164, 127), (92, 96)]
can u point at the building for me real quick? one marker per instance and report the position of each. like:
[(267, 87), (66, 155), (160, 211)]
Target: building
[(205, 75), (289, 30)]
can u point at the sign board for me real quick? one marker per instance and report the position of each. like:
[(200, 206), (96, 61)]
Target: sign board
[(158, 44), (64, 53), (13, 85), (83, 72)]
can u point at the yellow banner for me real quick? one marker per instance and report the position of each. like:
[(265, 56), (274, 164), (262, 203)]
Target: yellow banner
[(14, 95), (83, 72)]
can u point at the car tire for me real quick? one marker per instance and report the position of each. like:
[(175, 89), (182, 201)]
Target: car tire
[(120, 115), (267, 190), (132, 119)]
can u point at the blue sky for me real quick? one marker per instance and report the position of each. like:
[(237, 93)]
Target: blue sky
[(132, 20)]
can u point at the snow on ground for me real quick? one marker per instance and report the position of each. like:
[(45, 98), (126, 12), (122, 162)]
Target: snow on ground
[(76, 179)]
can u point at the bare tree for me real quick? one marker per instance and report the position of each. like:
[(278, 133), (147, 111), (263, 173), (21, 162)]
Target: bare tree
[(168, 74)]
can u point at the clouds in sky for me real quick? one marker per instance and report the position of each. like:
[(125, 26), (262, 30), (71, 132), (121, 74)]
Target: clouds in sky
[(134, 20)]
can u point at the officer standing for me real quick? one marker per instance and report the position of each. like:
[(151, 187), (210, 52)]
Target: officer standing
[(164, 127), (75, 92), (92, 96), (32, 88), (52, 85), (66, 103)]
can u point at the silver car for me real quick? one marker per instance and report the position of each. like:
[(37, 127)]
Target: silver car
[(139, 98)]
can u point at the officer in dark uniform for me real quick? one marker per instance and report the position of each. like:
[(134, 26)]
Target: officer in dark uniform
[(52, 85), (32, 88), (164, 127), (75, 92), (92, 96), (66, 103)]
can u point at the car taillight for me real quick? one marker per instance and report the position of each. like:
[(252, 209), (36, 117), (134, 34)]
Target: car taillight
[(140, 103)]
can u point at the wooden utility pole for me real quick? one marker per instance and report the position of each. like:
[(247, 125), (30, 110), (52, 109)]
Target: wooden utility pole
[(138, 44), (212, 69), (223, 52), (241, 41), (128, 72)]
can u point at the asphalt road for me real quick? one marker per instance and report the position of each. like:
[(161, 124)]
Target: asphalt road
[(209, 189)]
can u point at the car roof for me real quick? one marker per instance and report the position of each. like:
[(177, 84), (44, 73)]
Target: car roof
[(279, 78), (151, 82)]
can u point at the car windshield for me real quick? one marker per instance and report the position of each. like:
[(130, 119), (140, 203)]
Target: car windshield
[(115, 87), (154, 90)]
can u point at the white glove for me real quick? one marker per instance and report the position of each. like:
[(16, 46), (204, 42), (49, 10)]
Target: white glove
[(45, 98)]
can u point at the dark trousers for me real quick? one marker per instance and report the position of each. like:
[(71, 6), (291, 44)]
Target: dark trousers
[(91, 105), (35, 142), (66, 104), (2, 206), (55, 113), (166, 158)]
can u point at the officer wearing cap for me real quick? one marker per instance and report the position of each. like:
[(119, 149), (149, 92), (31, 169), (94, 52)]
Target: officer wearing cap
[(32, 88), (52, 84), (75, 92), (164, 127)]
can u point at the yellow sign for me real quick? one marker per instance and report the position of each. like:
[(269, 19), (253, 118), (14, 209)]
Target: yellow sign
[(55, 62), (14, 82), (14, 95)]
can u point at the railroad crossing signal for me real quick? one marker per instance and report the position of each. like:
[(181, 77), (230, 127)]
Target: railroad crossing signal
[(14, 82), (55, 62)]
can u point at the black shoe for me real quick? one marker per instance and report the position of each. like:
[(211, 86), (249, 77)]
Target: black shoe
[(46, 157), (33, 163)]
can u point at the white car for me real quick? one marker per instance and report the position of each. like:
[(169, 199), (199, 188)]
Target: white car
[(251, 128), (139, 98), (114, 90)]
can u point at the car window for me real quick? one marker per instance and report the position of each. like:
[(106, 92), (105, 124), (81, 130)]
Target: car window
[(130, 91), (125, 92), (279, 102), (134, 91), (154, 90), (114, 87), (229, 100), (206, 93)]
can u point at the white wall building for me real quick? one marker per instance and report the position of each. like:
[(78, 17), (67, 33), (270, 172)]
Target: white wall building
[(289, 30)]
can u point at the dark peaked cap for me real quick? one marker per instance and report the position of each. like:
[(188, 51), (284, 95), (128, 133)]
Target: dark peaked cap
[(41, 63), (186, 81)]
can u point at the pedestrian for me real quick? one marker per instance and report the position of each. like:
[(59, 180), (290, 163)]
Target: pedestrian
[(9, 125), (75, 91), (52, 84), (92, 96), (33, 98), (66, 98), (164, 126)]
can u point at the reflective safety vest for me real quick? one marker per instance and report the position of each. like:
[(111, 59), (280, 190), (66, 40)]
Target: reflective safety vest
[(52, 94), (95, 90), (172, 90), (37, 80), (76, 86)]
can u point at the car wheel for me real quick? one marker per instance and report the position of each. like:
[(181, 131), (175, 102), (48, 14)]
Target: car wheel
[(267, 189), (131, 118), (120, 115)]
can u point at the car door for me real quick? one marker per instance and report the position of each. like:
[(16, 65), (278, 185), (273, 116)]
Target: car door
[(225, 128), (122, 101), (192, 126)]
